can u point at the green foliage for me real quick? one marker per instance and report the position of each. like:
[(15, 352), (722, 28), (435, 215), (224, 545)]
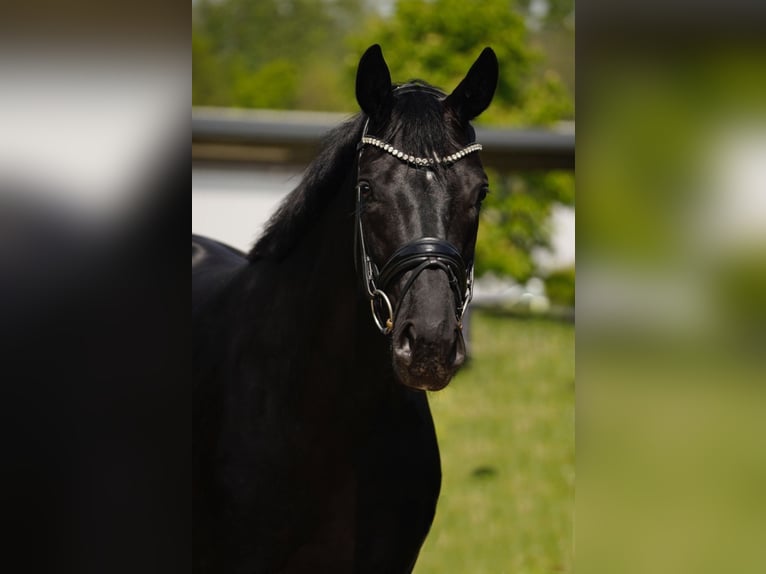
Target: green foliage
[(292, 54), (205, 71), (507, 440), (274, 84), (261, 54), (438, 40), (560, 287), (547, 100), (514, 220)]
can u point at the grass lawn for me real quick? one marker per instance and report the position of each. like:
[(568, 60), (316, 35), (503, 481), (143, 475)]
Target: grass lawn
[(506, 434)]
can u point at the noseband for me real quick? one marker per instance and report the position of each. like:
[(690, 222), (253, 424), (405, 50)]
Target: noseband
[(415, 256)]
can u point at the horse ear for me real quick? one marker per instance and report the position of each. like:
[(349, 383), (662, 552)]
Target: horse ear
[(373, 81), (474, 94)]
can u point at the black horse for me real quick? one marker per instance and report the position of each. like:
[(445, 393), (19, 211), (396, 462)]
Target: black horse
[(314, 447)]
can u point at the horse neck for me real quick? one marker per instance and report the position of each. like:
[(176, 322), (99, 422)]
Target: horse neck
[(310, 300), (320, 275)]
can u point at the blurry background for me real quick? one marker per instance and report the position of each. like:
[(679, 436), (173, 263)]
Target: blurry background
[(94, 132), (671, 336), (270, 77)]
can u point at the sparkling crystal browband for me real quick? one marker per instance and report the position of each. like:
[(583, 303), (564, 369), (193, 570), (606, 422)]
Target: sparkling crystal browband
[(420, 161)]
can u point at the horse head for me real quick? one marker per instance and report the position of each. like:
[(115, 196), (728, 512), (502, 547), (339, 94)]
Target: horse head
[(419, 189)]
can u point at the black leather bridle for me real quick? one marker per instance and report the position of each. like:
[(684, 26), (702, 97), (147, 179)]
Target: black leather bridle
[(415, 256)]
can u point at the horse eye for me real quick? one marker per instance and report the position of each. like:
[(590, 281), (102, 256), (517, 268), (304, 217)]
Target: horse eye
[(482, 195), (364, 189)]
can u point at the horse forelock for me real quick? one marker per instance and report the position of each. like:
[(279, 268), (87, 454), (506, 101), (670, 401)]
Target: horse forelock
[(417, 122)]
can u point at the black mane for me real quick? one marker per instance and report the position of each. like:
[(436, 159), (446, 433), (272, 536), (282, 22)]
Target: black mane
[(324, 176)]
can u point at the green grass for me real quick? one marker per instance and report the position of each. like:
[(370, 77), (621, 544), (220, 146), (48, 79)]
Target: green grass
[(506, 434)]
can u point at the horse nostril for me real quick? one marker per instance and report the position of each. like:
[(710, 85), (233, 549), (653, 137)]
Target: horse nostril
[(405, 344)]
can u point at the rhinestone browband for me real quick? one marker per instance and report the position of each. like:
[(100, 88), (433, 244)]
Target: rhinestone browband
[(420, 161)]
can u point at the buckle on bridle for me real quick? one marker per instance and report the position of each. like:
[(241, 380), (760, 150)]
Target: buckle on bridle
[(388, 326)]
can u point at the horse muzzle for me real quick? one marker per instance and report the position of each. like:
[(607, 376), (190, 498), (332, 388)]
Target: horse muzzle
[(427, 341)]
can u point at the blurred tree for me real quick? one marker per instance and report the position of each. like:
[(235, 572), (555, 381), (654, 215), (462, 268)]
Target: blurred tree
[(286, 53), (270, 53), (560, 287), (438, 40), (515, 220)]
